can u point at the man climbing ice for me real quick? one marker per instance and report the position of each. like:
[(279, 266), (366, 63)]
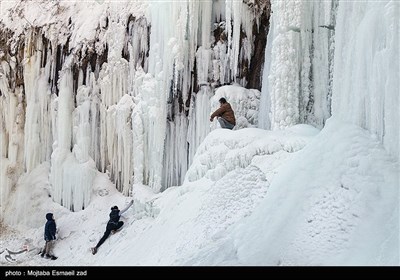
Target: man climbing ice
[(113, 224)]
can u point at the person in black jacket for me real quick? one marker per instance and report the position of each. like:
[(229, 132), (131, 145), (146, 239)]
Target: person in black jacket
[(113, 224), (50, 230)]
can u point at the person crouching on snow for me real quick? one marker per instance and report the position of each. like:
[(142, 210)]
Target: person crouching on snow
[(50, 230), (113, 224), (225, 115)]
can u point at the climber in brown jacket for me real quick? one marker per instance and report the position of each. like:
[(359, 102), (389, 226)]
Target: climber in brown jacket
[(225, 114)]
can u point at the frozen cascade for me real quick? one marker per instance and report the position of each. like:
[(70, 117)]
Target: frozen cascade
[(148, 131), (71, 178), (94, 122), (127, 87), (366, 93), (81, 125), (297, 82), (187, 45), (138, 143), (318, 64), (283, 77), (119, 143), (199, 111), (174, 169), (38, 138), (115, 128), (160, 57), (165, 60), (12, 120)]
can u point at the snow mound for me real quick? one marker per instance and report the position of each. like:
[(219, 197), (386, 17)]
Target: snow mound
[(297, 199), (334, 203)]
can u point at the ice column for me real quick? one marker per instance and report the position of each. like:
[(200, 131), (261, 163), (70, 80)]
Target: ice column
[(366, 69), (71, 178), (199, 120), (38, 136)]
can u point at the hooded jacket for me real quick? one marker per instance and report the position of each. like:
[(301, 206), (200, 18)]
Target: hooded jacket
[(114, 216), (116, 213), (50, 228)]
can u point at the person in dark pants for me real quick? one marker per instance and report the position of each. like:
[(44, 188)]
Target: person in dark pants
[(50, 230), (113, 224), (225, 115)]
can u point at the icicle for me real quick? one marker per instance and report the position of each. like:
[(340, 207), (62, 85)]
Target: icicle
[(38, 138), (365, 79), (138, 144), (199, 115), (119, 143), (81, 125), (283, 78), (71, 178)]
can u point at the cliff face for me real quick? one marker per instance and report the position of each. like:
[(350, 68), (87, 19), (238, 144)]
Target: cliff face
[(118, 87), (332, 58), (127, 88)]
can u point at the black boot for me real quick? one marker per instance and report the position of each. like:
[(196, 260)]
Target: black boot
[(94, 250), (51, 257)]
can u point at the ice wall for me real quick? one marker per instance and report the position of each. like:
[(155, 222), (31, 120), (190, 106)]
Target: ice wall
[(298, 64), (366, 72), (143, 77), (72, 172), (12, 120), (189, 63), (122, 87), (327, 58)]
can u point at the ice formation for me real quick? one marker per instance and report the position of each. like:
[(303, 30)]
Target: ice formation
[(127, 87)]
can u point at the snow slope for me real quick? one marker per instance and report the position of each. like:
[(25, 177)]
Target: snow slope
[(236, 206), (251, 197), (335, 203)]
